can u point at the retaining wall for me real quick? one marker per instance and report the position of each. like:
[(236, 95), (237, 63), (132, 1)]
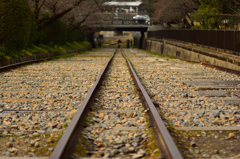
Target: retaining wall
[(192, 53), (41, 56)]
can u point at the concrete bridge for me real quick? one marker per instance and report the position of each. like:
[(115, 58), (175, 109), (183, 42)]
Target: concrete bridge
[(141, 28), (120, 24)]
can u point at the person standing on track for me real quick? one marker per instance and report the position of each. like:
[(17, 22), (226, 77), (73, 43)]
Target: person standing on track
[(119, 43), (131, 42), (128, 43)]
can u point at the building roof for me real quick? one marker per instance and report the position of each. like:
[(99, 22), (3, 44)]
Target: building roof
[(130, 4)]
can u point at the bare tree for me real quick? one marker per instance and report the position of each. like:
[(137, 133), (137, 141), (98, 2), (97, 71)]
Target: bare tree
[(74, 12), (83, 16), (174, 11)]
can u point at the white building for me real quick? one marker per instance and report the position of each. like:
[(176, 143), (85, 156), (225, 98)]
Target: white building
[(128, 7)]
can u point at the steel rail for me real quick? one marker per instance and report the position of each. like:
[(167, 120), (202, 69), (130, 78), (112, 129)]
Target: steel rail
[(163, 138), (16, 65), (67, 143), (229, 70)]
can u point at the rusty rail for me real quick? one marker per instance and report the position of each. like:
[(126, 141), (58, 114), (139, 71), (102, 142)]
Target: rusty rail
[(229, 70), (163, 138), (16, 65), (67, 143)]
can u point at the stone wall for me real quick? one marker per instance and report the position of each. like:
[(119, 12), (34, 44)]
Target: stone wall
[(41, 56), (192, 53)]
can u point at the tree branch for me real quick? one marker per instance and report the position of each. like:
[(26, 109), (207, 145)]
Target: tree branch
[(98, 5), (42, 4), (78, 24), (47, 21)]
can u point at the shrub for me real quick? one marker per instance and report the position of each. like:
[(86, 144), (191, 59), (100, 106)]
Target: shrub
[(75, 35), (58, 34), (54, 34), (197, 27), (15, 25), (33, 31)]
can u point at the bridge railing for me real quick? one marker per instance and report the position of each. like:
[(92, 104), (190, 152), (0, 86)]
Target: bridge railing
[(117, 20), (121, 22), (227, 40)]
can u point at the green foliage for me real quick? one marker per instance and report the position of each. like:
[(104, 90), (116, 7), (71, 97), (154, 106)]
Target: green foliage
[(75, 35), (197, 27), (216, 14), (57, 33), (45, 48), (207, 14), (84, 43), (54, 34), (15, 26), (19, 34), (33, 31), (176, 27)]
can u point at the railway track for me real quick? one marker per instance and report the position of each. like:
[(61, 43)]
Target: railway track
[(199, 104), (38, 101), (117, 123)]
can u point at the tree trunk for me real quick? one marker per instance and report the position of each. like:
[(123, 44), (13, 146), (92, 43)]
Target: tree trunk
[(36, 9)]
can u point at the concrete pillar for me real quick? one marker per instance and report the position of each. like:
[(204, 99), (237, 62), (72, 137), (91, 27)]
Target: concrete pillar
[(136, 9), (91, 40), (141, 40)]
